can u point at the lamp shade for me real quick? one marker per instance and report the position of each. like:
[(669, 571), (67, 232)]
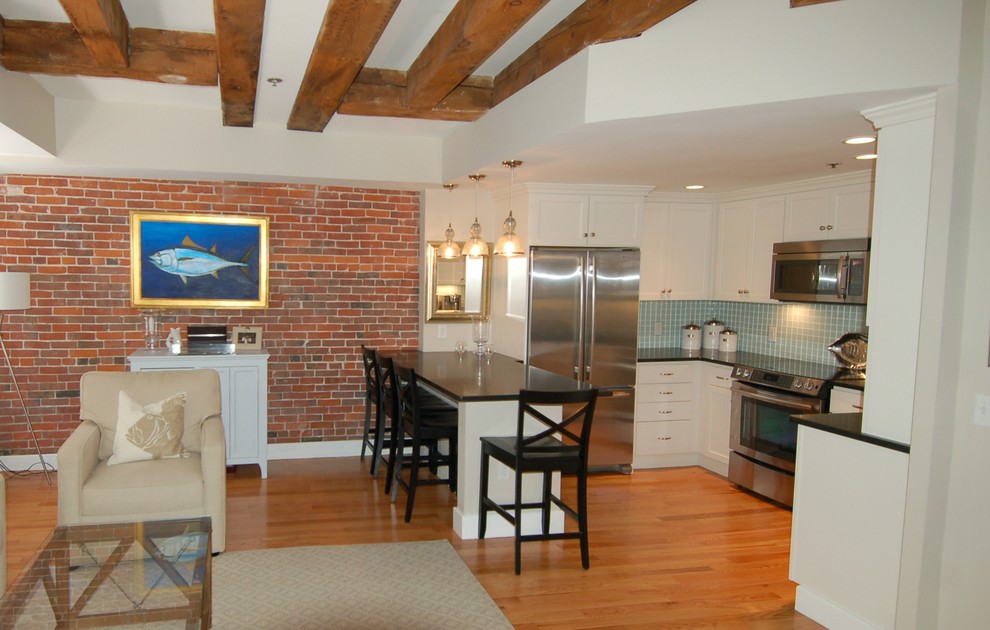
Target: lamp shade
[(15, 291)]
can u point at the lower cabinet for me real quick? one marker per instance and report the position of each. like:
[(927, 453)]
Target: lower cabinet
[(682, 415), (665, 410), (244, 397), (713, 418)]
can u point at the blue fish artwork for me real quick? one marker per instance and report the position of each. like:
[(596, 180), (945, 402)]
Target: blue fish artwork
[(191, 261)]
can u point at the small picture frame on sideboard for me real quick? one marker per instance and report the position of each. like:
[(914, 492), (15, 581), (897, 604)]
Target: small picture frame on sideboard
[(247, 337)]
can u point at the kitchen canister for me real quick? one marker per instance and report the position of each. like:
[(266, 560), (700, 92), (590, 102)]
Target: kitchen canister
[(710, 334), (728, 341), (691, 337)]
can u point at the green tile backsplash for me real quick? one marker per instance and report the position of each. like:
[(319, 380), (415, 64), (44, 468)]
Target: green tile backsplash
[(803, 331)]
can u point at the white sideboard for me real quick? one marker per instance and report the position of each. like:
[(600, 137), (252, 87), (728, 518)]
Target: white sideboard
[(244, 397)]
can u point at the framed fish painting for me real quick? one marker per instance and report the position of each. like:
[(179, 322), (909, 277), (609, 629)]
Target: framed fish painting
[(198, 261)]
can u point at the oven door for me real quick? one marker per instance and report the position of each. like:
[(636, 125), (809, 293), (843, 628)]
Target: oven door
[(761, 427)]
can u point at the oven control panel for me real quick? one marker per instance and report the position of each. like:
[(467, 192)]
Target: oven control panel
[(788, 382)]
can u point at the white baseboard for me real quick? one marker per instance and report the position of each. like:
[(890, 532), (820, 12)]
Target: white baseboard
[(828, 613), (314, 450), (28, 463)]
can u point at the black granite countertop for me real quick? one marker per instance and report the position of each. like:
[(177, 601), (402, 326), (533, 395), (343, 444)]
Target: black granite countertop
[(468, 377), (760, 361), (848, 425)]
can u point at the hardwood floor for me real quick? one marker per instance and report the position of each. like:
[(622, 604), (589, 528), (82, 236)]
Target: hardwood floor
[(671, 548)]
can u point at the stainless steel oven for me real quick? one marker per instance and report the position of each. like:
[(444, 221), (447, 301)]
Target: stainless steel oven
[(762, 438)]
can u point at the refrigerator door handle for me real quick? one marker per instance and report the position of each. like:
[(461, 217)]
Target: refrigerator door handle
[(589, 327)]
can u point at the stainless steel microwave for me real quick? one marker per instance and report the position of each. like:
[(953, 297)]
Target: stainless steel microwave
[(834, 271)]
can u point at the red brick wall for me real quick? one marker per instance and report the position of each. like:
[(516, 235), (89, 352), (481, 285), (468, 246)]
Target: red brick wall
[(343, 271)]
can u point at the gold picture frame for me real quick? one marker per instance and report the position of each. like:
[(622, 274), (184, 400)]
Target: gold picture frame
[(198, 261), (247, 337)]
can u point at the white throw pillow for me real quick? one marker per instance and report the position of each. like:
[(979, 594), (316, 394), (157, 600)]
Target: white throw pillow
[(152, 431)]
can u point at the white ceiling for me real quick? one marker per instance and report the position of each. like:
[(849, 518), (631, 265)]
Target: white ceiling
[(725, 150)]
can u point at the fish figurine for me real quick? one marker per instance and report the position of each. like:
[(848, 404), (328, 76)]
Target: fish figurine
[(190, 260)]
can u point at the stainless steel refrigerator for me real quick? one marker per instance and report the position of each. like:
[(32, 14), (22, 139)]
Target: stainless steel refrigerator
[(583, 319)]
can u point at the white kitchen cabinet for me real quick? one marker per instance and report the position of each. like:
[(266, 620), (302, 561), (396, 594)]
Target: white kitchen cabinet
[(593, 216), (747, 231), (675, 255), (845, 400), (243, 392), (829, 213), (665, 411), (714, 413)]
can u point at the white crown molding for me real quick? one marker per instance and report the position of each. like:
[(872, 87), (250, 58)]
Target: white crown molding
[(585, 189), (909, 110), (804, 185)]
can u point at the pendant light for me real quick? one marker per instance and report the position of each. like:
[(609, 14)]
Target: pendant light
[(449, 249), (509, 244), (475, 247)]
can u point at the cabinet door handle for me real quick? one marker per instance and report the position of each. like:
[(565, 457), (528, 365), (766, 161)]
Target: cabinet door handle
[(664, 412), (820, 227), (829, 227), (586, 234), (664, 438), (665, 393), (723, 378), (860, 407), (666, 373), (740, 291), (593, 234)]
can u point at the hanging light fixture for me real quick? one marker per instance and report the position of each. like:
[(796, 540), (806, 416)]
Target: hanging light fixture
[(449, 249), (475, 246), (509, 244)]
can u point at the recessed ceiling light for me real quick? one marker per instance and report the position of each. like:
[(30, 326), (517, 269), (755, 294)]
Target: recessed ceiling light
[(273, 81), (694, 187), (860, 140), (867, 156)]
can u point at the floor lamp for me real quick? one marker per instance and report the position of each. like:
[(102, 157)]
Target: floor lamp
[(15, 295)]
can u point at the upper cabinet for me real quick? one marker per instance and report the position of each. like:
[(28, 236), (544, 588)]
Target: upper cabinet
[(830, 213), (675, 258), (747, 231), (593, 216)]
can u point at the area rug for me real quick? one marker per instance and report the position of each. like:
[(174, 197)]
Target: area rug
[(393, 585)]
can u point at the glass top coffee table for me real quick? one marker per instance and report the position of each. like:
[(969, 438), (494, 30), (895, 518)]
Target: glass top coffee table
[(154, 574)]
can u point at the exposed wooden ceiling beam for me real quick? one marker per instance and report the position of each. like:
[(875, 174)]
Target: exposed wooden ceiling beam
[(240, 24), (473, 30), (593, 22), (103, 28), (377, 92), (806, 3), (350, 30), (156, 55)]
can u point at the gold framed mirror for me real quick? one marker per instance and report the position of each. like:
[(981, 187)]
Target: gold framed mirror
[(456, 289)]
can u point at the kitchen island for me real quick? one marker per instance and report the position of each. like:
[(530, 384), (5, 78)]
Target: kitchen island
[(486, 391)]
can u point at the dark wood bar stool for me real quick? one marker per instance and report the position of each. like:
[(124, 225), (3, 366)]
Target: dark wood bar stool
[(374, 428), (420, 427), (558, 446)]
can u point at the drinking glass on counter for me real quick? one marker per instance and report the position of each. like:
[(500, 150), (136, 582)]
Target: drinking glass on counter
[(480, 331)]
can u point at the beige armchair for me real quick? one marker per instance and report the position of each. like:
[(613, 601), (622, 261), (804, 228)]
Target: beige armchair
[(92, 488)]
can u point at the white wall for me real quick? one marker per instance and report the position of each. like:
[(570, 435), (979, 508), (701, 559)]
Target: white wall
[(701, 58), (27, 122), (138, 140), (964, 567)]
